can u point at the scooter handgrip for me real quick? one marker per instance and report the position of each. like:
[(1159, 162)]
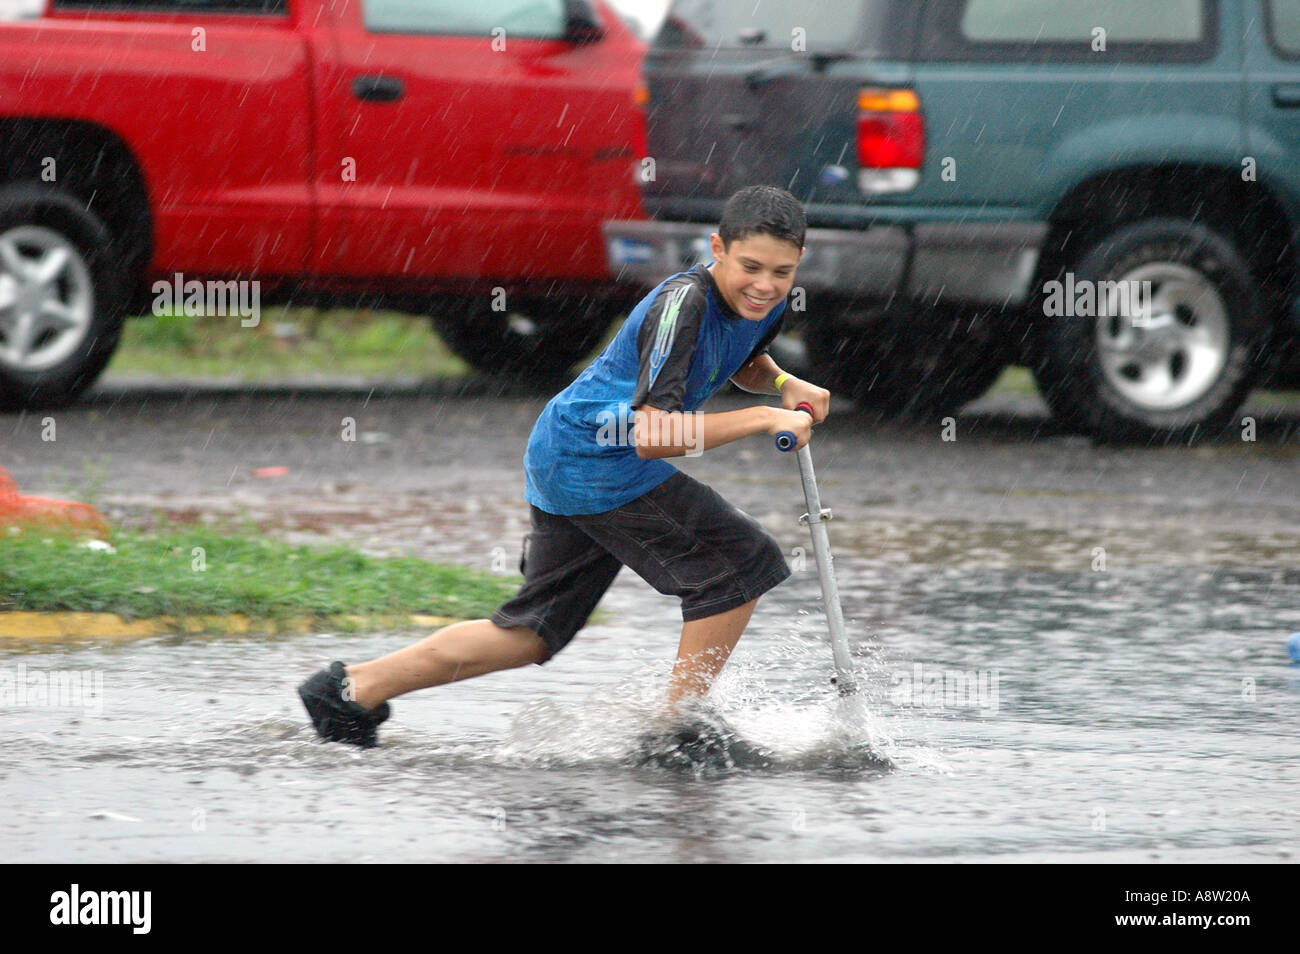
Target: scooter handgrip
[(786, 440)]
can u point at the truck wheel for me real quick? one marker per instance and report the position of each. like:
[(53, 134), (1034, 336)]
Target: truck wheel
[(908, 365), (61, 306), (540, 338), (1159, 361)]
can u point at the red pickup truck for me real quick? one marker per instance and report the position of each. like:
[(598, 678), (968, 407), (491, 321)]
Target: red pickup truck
[(448, 157)]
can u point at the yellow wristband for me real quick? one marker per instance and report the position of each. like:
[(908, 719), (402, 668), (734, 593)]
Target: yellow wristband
[(781, 379)]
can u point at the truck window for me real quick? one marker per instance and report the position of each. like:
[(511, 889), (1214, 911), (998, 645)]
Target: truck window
[(268, 7), (1284, 27), (521, 18), (198, 7)]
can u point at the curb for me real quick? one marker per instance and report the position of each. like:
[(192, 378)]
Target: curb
[(70, 625)]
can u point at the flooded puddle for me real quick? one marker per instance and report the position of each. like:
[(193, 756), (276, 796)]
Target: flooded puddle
[(1033, 699)]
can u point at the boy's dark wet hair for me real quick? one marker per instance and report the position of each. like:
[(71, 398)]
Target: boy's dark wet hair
[(763, 210)]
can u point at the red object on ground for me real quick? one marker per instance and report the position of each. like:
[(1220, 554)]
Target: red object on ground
[(21, 511)]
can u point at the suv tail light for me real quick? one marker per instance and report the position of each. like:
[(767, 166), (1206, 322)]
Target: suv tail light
[(891, 140)]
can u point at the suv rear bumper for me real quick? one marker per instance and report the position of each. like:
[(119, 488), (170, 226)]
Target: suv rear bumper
[(975, 264)]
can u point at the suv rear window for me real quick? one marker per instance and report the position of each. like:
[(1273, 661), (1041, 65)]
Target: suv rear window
[(1068, 31), (795, 25), (1284, 27), (1068, 21)]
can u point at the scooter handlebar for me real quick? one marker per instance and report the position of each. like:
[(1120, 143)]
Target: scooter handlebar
[(786, 441)]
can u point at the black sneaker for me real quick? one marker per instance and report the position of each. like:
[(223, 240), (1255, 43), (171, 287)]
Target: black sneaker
[(703, 740), (335, 718)]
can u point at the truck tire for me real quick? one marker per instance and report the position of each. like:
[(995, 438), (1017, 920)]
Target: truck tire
[(61, 300), (538, 339), (909, 365), (1179, 367)]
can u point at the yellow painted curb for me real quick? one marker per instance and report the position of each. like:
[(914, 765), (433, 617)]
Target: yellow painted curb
[(66, 625)]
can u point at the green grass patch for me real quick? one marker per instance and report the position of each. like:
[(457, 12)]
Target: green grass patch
[(196, 571), (1015, 380), (1275, 400), (294, 342)]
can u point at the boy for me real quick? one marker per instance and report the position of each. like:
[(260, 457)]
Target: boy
[(602, 496)]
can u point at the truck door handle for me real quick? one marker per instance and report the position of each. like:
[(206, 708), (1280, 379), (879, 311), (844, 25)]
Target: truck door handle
[(378, 89), (1287, 95)]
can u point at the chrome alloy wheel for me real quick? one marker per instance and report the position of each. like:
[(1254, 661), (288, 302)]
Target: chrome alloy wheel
[(1165, 350), (47, 298)]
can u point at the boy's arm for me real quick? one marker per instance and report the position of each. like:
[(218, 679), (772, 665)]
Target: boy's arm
[(758, 376), (662, 433)]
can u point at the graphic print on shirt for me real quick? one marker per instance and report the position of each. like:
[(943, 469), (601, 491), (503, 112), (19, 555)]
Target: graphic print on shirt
[(666, 342), (667, 330)]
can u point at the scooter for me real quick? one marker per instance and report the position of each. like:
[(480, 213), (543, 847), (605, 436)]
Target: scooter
[(816, 519), (714, 742)]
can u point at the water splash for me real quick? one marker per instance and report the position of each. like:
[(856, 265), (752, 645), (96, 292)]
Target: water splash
[(744, 726)]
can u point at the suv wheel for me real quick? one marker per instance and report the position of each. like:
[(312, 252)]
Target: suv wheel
[(522, 341), (60, 305), (1159, 366)]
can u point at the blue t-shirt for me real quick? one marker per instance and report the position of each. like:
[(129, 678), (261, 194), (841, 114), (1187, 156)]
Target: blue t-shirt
[(680, 344)]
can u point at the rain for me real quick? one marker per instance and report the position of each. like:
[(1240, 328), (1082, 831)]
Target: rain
[(287, 300)]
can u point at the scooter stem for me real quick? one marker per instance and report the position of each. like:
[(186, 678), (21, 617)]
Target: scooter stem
[(817, 518)]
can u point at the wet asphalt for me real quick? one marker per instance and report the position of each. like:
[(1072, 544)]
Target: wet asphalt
[(446, 448), (1106, 625)]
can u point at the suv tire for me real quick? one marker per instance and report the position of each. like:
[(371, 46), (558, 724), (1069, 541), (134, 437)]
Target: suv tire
[(1181, 367)]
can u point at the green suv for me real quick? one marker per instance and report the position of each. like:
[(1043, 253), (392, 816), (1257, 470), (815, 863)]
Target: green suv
[(1106, 192)]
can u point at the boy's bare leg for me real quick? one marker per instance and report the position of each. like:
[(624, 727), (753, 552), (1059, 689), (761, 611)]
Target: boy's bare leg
[(705, 647), (459, 651)]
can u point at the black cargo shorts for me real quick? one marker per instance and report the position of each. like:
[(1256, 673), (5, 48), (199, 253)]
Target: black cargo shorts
[(681, 537)]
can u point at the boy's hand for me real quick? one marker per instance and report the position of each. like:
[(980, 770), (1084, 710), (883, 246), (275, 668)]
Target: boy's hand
[(795, 392), (797, 423)]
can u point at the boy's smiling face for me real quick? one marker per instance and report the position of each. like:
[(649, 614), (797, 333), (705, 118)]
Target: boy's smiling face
[(755, 273)]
